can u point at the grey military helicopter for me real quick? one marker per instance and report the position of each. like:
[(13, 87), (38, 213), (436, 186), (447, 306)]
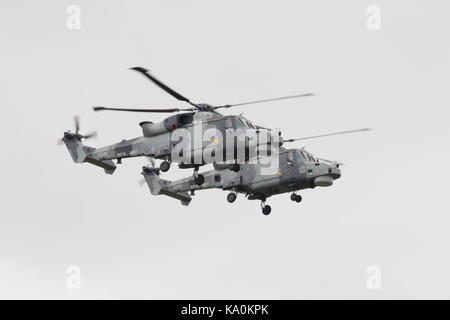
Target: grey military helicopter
[(297, 169), (158, 140)]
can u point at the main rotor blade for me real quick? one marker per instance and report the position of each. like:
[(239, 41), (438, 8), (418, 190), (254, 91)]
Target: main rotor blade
[(328, 134), (267, 100), (170, 91), (100, 108), (151, 162)]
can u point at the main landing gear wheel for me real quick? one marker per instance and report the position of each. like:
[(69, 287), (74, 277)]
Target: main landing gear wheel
[(235, 167), (296, 197), (199, 179), (266, 209), (231, 197), (165, 166)]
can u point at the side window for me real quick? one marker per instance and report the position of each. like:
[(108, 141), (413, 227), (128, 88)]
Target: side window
[(228, 123), (290, 157), (304, 156), (300, 155), (185, 119)]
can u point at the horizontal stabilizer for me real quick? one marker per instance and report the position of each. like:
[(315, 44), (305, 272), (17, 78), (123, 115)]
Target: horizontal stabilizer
[(107, 165)]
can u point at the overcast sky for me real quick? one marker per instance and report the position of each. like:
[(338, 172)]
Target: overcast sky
[(389, 209)]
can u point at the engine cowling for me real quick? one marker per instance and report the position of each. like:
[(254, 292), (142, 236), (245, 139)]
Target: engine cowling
[(150, 129)]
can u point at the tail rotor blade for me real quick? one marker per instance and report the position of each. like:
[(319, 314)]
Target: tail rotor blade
[(90, 135), (80, 136), (76, 120), (151, 162)]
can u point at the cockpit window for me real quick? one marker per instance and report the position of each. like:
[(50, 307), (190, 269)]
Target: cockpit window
[(229, 123), (247, 123), (300, 155), (307, 156), (238, 123), (250, 125), (311, 157), (290, 157)]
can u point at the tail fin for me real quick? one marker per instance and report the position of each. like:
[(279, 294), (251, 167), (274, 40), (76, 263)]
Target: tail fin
[(158, 186), (80, 153)]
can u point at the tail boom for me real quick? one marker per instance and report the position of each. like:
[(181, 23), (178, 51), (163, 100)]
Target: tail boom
[(160, 186), (81, 153)]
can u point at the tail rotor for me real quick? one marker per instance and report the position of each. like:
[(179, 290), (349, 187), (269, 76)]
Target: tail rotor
[(68, 135), (149, 168), (80, 136)]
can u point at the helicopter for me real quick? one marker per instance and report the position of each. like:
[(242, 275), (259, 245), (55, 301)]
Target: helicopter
[(162, 140), (297, 169)]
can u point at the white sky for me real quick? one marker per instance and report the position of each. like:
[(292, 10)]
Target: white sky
[(389, 209)]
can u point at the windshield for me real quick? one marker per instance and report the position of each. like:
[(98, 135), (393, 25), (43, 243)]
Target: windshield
[(247, 123), (305, 155), (238, 123), (311, 157), (300, 155)]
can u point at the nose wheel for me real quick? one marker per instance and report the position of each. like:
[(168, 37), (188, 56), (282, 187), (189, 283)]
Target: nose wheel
[(266, 209), (235, 167), (165, 166), (198, 178), (296, 197), (231, 197)]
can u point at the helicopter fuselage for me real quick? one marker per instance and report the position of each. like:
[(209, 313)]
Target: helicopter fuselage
[(207, 133), (296, 170), (200, 135)]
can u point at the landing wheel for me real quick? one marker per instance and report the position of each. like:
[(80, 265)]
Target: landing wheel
[(266, 210), (165, 166), (296, 197), (199, 179), (231, 197), (235, 167)]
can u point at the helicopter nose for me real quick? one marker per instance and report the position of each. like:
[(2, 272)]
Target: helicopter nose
[(323, 181), (334, 172), (328, 175)]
